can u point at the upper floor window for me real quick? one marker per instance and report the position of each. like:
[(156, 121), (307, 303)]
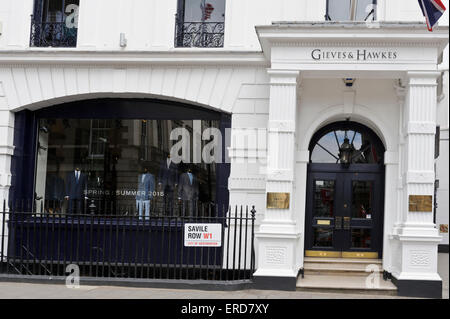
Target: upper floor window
[(54, 23), (200, 23), (351, 10)]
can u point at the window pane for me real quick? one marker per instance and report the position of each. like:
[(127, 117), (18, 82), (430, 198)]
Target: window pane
[(53, 10), (339, 10), (204, 10), (118, 166), (362, 199), (361, 238), (365, 146), (363, 8), (323, 237), (323, 198)]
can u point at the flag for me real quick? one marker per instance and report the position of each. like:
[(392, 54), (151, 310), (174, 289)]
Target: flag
[(432, 10)]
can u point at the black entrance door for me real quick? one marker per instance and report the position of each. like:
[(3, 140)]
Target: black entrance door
[(344, 213), (345, 192)]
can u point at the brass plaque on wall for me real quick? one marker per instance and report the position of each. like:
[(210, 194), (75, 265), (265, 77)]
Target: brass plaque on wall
[(278, 200), (420, 203)]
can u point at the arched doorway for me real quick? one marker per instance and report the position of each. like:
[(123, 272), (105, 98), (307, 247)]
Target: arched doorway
[(345, 192)]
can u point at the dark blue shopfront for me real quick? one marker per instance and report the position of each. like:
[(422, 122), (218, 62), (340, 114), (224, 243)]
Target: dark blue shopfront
[(112, 146)]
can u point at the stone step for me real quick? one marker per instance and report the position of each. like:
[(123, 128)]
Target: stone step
[(346, 284), (343, 260), (341, 266)]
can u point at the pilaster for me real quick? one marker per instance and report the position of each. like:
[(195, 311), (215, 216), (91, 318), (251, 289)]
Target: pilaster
[(416, 234), (278, 233)]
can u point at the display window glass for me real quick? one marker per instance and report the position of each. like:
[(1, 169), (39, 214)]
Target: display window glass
[(123, 166)]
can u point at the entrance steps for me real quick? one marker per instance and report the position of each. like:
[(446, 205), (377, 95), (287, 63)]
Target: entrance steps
[(345, 276)]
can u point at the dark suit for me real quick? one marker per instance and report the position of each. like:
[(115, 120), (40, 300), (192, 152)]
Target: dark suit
[(188, 193), (168, 177), (75, 190)]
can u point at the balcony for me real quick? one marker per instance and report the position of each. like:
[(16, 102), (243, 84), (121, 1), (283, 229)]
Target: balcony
[(199, 34), (52, 34)]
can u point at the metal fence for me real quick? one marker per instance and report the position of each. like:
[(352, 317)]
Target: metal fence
[(126, 244)]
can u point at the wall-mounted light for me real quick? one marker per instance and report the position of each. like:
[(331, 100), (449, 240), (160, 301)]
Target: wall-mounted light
[(123, 40), (349, 82)]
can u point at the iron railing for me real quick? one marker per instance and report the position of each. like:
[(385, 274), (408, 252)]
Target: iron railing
[(52, 34), (125, 245), (199, 34)]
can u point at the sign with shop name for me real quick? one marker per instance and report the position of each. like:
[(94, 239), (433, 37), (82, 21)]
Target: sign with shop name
[(420, 203), (278, 200), (203, 235), (353, 55)]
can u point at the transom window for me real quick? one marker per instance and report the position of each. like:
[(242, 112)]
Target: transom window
[(200, 23), (346, 143), (351, 10), (54, 23)]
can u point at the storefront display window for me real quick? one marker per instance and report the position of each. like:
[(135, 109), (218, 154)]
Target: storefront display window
[(121, 166)]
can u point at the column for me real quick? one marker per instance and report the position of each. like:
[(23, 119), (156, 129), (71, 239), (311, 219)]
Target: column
[(417, 235), (6, 152), (278, 233)]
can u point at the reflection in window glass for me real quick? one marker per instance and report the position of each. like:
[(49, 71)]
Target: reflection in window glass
[(341, 10), (119, 166), (58, 10), (323, 237), (362, 199), (204, 11), (361, 238), (365, 149), (323, 198)]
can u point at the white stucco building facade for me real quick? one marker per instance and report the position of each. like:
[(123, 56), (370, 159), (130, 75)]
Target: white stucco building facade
[(281, 69)]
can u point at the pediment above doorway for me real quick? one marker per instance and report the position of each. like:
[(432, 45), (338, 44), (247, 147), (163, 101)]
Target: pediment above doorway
[(384, 49)]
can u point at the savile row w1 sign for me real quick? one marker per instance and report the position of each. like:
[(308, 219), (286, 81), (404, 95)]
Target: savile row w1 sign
[(202, 235)]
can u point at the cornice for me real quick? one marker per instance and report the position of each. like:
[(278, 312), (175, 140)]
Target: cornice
[(76, 57)]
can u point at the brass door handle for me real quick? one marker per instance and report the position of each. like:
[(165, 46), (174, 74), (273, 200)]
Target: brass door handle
[(347, 221), (338, 222)]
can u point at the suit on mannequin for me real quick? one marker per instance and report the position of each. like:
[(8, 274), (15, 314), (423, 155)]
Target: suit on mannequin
[(188, 192), (76, 185), (146, 187), (168, 180)]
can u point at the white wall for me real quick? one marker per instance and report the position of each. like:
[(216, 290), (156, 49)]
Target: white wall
[(150, 24)]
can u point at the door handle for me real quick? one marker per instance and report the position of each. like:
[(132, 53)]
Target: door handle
[(338, 222), (347, 223)]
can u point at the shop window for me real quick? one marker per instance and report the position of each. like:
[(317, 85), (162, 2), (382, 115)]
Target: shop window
[(200, 23), (54, 23), (122, 167), (351, 10)]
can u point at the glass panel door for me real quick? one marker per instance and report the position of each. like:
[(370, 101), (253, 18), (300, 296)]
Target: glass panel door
[(362, 219)]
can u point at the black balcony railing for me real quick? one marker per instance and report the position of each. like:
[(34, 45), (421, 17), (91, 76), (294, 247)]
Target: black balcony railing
[(52, 34), (199, 34), (126, 244)]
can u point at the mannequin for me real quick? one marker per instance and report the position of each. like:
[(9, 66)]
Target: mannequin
[(188, 191), (146, 187), (168, 181), (76, 186)]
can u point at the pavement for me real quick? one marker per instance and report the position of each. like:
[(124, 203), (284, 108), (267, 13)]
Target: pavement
[(47, 291)]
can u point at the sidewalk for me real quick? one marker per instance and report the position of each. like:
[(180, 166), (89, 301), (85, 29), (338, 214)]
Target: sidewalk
[(43, 291)]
